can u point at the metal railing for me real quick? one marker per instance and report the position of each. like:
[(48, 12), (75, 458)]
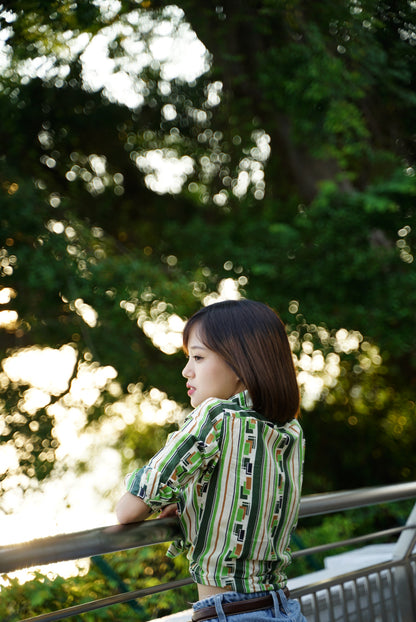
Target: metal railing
[(383, 592)]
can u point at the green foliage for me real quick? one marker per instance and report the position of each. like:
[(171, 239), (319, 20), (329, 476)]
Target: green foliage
[(137, 569), (364, 248), (296, 142)]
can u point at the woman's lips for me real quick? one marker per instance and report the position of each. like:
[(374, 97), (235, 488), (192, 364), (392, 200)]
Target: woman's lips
[(191, 390)]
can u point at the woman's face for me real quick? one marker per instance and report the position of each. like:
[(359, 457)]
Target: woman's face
[(207, 374)]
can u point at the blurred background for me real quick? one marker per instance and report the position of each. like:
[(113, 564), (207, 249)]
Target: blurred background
[(155, 158)]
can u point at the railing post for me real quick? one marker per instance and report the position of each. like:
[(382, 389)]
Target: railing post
[(403, 572)]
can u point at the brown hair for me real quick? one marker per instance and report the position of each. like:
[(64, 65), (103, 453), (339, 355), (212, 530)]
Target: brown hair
[(252, 340)]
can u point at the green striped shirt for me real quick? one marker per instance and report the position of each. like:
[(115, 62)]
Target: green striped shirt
[(237, 480)]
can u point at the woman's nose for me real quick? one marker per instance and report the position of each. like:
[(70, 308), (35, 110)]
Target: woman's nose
[(186, 372)]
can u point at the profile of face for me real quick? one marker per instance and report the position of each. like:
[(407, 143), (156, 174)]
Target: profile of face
[(207, 374)]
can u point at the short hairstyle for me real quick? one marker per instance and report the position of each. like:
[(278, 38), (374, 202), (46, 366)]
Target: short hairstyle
[(251, 338)]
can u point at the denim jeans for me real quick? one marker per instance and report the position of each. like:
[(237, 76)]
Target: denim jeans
[(289, 611)]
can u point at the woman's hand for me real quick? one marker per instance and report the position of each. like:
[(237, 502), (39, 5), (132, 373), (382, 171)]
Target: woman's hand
[(169, 511)]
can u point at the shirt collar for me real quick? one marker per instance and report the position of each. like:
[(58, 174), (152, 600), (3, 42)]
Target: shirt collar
[(243, 399)]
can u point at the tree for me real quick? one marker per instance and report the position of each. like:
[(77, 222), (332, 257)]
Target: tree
[(281, 159), (295, 161)]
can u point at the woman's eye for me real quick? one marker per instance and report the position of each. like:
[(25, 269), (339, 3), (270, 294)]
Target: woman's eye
[(197, 358)]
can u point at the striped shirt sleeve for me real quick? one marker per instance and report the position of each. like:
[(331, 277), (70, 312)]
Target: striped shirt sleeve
[(187, 452)]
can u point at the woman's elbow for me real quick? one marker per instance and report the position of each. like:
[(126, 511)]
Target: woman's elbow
[(131, 509), (123, 515)]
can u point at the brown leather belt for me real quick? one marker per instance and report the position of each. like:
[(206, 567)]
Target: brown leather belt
[(240, 606)]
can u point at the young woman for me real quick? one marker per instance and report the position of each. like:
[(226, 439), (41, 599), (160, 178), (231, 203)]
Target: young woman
[(233, 472)]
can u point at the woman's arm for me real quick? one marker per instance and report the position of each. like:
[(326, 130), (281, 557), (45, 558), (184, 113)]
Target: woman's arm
[(159, 483), (132, 509)]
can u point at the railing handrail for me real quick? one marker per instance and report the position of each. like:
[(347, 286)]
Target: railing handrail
[(77, 545), (329, 502), (113, 538)]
